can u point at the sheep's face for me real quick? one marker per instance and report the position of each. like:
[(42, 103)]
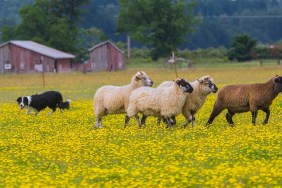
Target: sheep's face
[(143, 78), (278, 81), (207, 81), (184, 85)]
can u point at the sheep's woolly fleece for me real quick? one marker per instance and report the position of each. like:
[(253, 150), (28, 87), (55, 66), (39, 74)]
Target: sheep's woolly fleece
[(111, 99)]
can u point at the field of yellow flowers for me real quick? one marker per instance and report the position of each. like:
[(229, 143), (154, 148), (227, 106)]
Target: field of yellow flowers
[(63, 150)]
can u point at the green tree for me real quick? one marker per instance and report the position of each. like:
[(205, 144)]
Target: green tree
[(160, 24), (70, 10), (87, 39), (241, 47), (50, 22)]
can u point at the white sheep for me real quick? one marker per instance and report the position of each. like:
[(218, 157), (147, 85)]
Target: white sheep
[(167, 102), (111, 99), (194, 101)]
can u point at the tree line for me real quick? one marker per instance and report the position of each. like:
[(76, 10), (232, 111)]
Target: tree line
[(164, 26)]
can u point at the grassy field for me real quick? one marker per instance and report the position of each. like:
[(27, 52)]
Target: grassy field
[(63, 150)]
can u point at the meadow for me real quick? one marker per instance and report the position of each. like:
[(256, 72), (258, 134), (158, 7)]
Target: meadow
[(63, 150)]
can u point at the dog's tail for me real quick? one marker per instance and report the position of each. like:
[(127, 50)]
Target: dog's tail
[(65, 105)]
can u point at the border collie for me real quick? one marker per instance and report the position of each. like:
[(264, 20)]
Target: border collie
[(38, 102)]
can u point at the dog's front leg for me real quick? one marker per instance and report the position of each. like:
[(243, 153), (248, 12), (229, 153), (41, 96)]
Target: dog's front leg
[(53, 110), (28, 111), (36, 112)]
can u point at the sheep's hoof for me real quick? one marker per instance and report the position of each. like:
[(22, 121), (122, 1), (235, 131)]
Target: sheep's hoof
[(97, 127), (230, 124), (265, 122)]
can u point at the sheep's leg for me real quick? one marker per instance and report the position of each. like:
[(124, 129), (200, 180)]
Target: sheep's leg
[(254, 116), (98, 123), (169, 122), (164, 120), (126, 120), (267, 111), (193, 120), (229, 116), (159, 120), (186, 123), (215, 112), (138, 121), (188, 118), (231, 120), (143, 120), (173, 120)]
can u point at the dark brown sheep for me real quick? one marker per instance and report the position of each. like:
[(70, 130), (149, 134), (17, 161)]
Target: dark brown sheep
[(246, 97)]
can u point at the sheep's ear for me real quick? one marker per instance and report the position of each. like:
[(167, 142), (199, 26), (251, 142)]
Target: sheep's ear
[(277, 79), (201, 81), (177, 81)]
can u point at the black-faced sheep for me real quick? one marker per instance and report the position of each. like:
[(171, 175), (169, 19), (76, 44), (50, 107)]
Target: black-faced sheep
[(194, 101), (167, 102), (246, 97), (114, 99)]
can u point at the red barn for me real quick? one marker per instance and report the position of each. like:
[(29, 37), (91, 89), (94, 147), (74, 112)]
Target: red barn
[(29, 56), (106, 56)]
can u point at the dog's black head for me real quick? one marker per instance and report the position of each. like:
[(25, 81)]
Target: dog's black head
[(22, 102), (65, 105)]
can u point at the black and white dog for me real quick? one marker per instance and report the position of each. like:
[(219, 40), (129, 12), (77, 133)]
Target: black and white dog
[(38, 102)]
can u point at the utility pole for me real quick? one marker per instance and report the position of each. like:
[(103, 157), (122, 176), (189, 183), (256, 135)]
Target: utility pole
[(128, 47), (43, 79)]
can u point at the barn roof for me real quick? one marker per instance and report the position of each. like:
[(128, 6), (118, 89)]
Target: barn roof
[(101, 44), (41, 49)]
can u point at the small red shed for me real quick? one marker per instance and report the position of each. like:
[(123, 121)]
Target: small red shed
[(106, 56), (29, 56)]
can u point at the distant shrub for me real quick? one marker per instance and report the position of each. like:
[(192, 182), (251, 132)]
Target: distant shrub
[(140, 53), (241, 48), (204, 53), (267, 52)]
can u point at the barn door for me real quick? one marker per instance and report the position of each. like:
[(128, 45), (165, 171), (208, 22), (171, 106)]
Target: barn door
[(56, 66)]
